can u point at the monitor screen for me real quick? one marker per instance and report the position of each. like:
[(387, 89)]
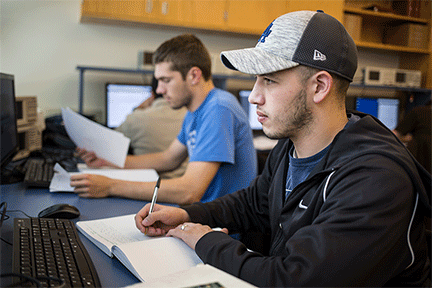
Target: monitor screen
[(250, 110), (122, 99), (9, 134), (385, 109)]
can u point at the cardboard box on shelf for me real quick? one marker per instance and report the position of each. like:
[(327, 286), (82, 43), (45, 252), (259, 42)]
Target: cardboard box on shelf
[(407, 34), (353, 24)]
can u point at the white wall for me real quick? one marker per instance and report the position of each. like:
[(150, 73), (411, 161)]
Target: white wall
[(42, 42)]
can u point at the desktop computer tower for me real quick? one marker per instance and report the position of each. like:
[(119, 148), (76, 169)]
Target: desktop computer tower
[(29, 128)]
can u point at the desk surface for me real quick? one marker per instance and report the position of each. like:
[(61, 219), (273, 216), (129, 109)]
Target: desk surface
[(111, 272)]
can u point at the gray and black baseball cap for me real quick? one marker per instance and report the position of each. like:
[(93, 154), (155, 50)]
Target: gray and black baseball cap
[(313, 39)]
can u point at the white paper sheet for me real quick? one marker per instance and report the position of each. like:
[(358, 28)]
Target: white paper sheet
[(104, 142), (60, 181), (61, 178), (143, 175), (202, 275)]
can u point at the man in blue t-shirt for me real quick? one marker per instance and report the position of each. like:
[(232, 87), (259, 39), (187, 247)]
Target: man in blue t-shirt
[(215, 136), (218, 132)]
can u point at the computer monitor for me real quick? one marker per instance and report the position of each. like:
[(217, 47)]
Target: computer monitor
[(250, 110), (385, 109), (122, 99), (9, 134)]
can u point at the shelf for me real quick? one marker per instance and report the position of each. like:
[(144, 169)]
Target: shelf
[(110, 69), (385, 15), (83, 69), (219, 78), (380, 46), (404, 89), (384, 32), (373, 27)]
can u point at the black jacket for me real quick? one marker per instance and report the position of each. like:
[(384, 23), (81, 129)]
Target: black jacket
[(357, 220)]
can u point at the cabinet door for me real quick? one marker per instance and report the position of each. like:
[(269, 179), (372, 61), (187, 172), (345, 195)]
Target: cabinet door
[(209, 14), (333, 7), (95, 8), (130, 10), (89, 7), (253, 16), (175, 12)]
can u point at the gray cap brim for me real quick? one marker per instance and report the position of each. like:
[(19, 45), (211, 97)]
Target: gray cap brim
[(251, 60)]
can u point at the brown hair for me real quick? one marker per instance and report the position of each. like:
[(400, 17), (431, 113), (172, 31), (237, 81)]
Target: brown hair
[(184, 52)]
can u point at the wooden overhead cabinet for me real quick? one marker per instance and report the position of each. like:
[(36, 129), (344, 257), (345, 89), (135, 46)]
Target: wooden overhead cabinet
[(331, 7), (209, 14), (237, 16), (253, 16), (383, 31)]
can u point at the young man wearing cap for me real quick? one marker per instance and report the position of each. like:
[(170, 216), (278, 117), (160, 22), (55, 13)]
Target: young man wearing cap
[(215, 135), (341, 198)]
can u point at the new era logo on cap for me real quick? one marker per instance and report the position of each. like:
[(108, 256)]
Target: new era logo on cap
[(319, 56)]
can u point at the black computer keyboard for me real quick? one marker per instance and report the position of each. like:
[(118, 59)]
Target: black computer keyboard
[(39, 167), (38, 172), (45, 247)]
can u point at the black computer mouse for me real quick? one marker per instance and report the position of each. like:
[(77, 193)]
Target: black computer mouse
[(62, 211)]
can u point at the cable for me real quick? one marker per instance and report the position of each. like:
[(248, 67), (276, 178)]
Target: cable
[(3, 206), (7, 242), (34, 280), (6, 217), (31, 279), (14, 211), (3, 212), (62, 283)]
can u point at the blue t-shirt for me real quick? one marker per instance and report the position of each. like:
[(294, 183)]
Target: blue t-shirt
[(219, 131), (299, 169)]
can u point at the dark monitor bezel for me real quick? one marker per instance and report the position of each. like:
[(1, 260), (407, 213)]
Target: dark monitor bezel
[(6, 159)]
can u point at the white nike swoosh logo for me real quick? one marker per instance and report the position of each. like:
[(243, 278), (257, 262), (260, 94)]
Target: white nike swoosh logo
[(301, 205)]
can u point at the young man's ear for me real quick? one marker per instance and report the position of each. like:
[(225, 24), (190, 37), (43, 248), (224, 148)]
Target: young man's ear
[(194, 75), (323, 83)]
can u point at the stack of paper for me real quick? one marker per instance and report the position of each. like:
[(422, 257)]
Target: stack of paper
[(104, 142)]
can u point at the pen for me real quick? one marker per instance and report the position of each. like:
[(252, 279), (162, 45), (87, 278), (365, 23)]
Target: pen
[(155, 192), (153, 200)]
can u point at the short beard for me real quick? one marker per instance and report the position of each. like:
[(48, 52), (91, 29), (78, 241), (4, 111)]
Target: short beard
[(300, 120)]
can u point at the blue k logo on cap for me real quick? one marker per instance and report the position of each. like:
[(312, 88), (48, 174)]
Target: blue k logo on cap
[(266, 33)]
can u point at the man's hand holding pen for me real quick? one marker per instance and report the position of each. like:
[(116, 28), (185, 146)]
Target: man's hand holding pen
[(171, 221), (157, 220), (161, 220)]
